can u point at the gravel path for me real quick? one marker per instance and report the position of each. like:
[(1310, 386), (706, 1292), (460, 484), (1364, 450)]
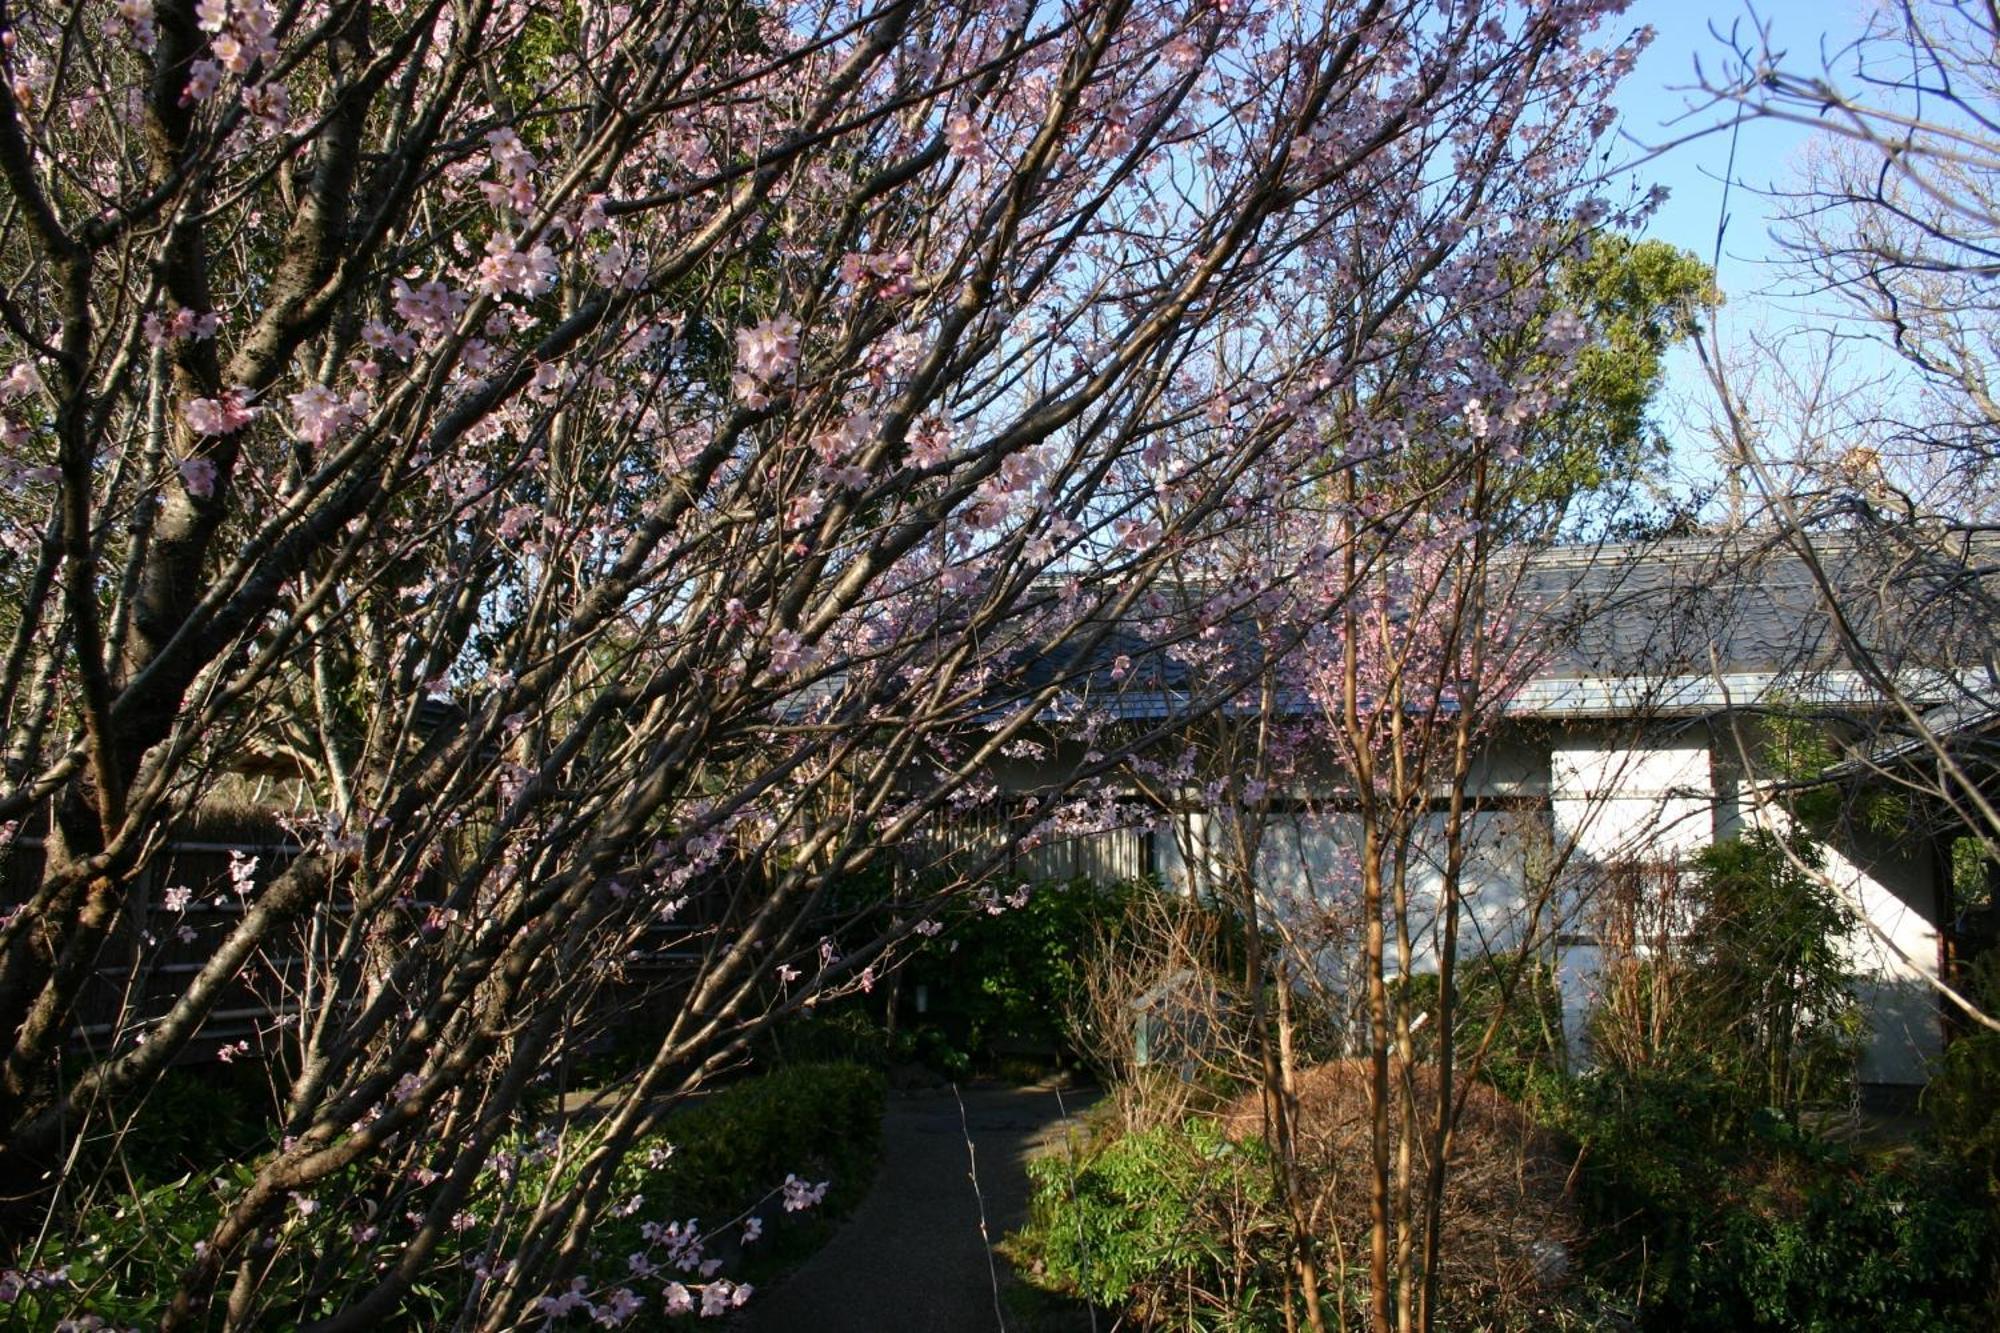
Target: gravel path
[(911, 1259)]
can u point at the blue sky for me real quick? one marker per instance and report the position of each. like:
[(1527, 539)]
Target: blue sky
[(1654, 105)]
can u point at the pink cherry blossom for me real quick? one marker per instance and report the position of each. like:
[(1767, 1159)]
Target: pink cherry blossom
[(137, 18), (218, 416), (962, 135), (199, 476), (319, 414), (510, 156), (506, 269), (768, 349), (204, 77), (21, 381), (432, 308), (617, 1308), (799, 1196)]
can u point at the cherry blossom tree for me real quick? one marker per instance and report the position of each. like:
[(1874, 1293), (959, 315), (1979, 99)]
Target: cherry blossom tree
[(613, 474), (1374, 630)]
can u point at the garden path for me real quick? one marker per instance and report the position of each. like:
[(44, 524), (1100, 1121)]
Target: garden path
[(912, 1259)]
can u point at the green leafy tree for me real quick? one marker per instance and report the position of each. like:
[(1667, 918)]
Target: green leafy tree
[(1773, 1004), (1640, 298)]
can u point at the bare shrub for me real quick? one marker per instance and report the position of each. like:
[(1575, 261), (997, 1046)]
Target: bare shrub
[(1508, 1217), (1160, 965)]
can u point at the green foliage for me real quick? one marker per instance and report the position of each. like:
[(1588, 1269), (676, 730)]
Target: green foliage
[(1523, 996), (1645, 296), (119, 1259), (739, 1143), (1642, 297), (1004, 979), (839, 1032), (195, 1120), (1704, 1215), (1963, 1101), (1972, 879), (931, 1045), (1774, 1009), (1798, 751), (1708, 1203), (1754, 992), (1709, 1206), (721, 1158), (1176, 1224), (1519, 997), (1963, 1098)]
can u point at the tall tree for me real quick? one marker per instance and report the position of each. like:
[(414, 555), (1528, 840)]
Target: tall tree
[(576, 453), (1863, 444)]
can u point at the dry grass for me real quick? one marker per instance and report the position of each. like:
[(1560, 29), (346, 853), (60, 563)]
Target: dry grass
[(1509, 1222)]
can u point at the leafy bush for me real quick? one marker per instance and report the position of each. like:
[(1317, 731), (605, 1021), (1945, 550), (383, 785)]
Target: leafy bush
[(192, 1121), (931, 1045), (1708, 1213), (841, 1032), (1963, 1099), (1737, 974), (1519, 997), (737, 1144), (1182, 1227), (722, 1159), (1708, 1205), (1176, 1224), (1776, 1009), (1003, 979)]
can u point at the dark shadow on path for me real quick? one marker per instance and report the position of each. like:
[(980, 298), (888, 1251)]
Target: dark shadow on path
[(911, 1259)]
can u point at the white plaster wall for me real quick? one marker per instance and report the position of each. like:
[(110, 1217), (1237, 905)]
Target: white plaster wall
[(1616, 798), (1309, 873), (1172, 862)]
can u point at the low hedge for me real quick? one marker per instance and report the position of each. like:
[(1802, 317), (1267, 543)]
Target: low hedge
[(1707, 1214), (720, 1159), (823, 1120)]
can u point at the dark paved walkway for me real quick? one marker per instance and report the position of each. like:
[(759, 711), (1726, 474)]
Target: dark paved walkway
[(911, 1259)]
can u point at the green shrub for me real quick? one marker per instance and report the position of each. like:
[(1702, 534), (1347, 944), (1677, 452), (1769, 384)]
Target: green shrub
[(1520, 998), (1963, 1099), (1705, 1213), (1737, 974), (1175, 1224), (842, 1032), (931, 1045), (719, 1159), (1708, 1204), (192, 1122), (1004, 979), (737, 1144), (1775, 1003)]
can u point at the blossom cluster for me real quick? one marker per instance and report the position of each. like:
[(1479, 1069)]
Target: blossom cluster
[(766, 353), (800, 1196), (224, 415)]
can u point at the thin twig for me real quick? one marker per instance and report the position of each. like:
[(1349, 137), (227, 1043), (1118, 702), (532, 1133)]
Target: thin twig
[(985, 1237)]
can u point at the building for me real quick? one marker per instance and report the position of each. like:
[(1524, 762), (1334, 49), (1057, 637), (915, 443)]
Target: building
[(1685, 691)]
